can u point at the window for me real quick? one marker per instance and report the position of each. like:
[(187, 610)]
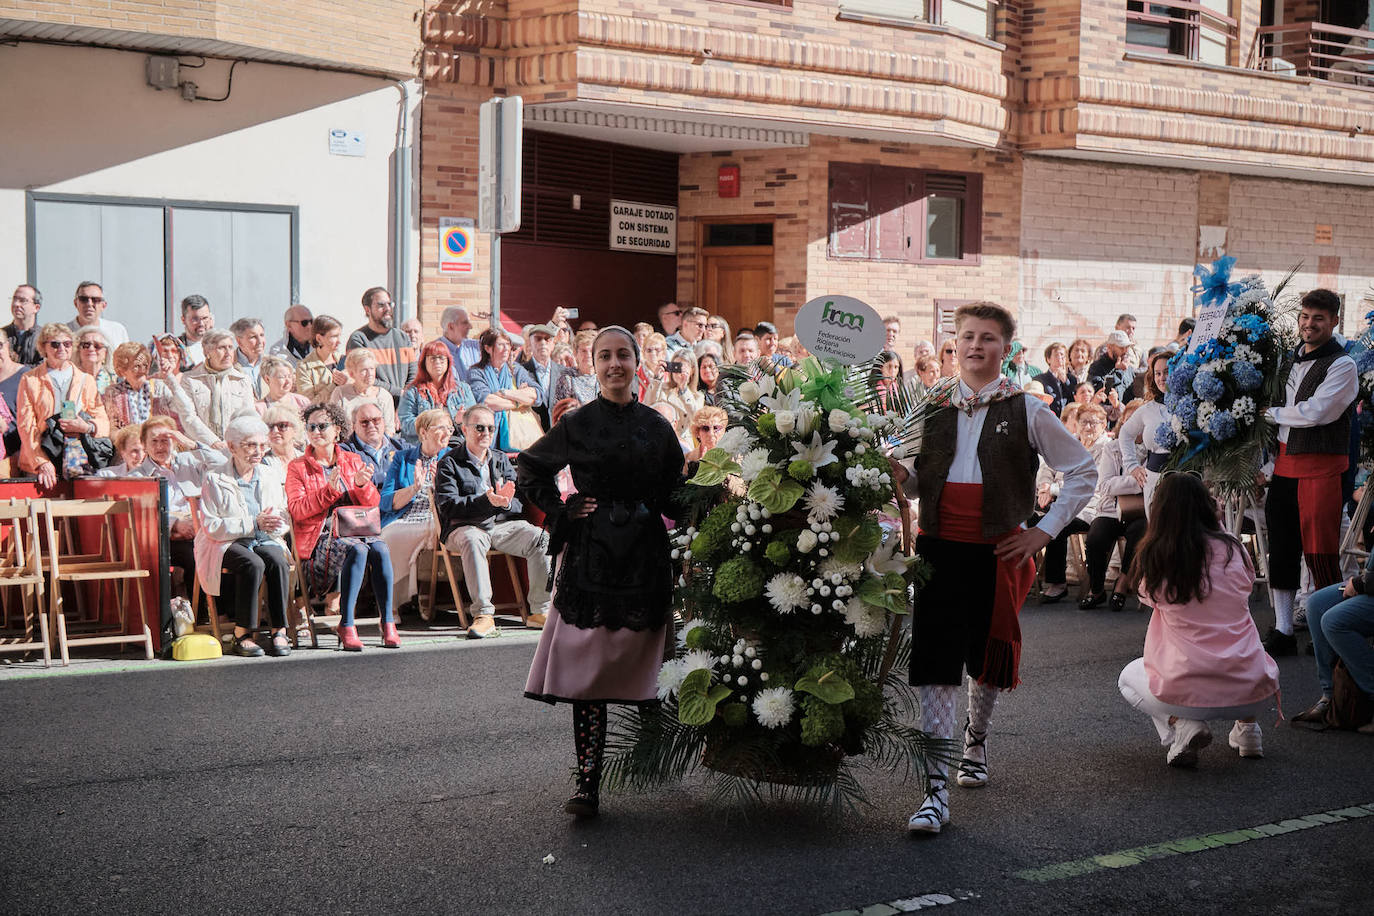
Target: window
[(1198, 31), (884, 213), (978, 17)]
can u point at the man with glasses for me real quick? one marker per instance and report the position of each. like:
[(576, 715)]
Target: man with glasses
[(198, 321), (23, 331), (543, 369), (669, 318), (693, 329), (90, 306), (474, 494), (298, 339), (370, 440), (389, 344)]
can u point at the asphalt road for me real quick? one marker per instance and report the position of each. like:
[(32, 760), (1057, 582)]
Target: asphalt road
[(421, 781)]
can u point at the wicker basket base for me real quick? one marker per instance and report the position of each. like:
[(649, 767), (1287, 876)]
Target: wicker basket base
[(802, 767)]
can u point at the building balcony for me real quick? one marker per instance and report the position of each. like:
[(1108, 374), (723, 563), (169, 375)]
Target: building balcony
[(1317, 50), (726, 72)]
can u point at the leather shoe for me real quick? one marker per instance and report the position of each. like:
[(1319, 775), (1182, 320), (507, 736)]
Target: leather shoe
[(1316, 713), (247, 647), (1118, 601), (483, 627), (1091, 601), (1047, 598)]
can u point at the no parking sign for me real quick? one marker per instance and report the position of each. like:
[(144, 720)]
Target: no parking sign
[(457, 245)]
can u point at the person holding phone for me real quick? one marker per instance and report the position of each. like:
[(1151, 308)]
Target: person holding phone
[(674, 394), (320, 481), (56, 389)]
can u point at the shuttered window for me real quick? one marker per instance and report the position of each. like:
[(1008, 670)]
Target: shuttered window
[(883, 213)]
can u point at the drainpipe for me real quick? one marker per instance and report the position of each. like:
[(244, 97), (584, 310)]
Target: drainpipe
[(403, 285)]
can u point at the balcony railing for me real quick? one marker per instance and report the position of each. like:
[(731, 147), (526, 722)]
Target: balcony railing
[(1315, 49)]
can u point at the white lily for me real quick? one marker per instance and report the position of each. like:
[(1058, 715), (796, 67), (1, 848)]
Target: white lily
[(818, 453), (886, 559), (790, 401)]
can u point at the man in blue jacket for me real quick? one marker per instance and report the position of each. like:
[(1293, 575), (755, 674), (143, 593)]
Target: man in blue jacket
[(474, 492)]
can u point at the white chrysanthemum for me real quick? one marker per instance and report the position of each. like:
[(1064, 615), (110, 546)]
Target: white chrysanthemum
[(806, 541), (817, 452), (823, 503), (1176, 423), (1247, 353), (1204, 413), (787, 592), (786, 421), (670, 677), (688, 627), (696, 660), (838, 420), (831, 565), (1244, 409), (736, 441), (749, 392), (866, 619), (753, 463), (774, 707)]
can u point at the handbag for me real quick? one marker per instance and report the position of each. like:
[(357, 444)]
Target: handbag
[(357, 522), (1131, 506), (522, 429)]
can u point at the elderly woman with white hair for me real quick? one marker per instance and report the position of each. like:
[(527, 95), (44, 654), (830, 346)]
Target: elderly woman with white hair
[(240, 542), (409, 522), (218, 389)]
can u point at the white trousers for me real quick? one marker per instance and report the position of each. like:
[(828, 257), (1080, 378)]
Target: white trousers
[(517, 538), (405, 540)]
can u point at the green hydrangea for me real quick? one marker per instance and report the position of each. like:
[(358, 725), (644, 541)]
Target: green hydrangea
[(712, 541), (777, 553), (821, 723), (768, 425), (738, 579), (800, 470)]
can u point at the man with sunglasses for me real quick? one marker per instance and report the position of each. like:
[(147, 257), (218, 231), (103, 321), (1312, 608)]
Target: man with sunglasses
[(90, 306), (693, 329), (474, 494), (298, 339), (370, 440), (669, 318)]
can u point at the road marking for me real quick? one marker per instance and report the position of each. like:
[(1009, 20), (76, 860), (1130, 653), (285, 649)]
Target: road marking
[(1126, 858), (907, 904)]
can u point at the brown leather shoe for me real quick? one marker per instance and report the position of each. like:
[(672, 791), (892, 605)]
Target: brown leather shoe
[(1317, 712), (482, 627), (536, 621)]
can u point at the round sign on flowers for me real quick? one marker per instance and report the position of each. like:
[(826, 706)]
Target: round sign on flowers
[(840, 328), (792, 593)]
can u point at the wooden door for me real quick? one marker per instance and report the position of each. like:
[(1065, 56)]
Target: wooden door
[(737, 283)]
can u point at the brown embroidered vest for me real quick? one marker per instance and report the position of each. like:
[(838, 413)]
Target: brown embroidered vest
[(1008, 462), (1334, 437)]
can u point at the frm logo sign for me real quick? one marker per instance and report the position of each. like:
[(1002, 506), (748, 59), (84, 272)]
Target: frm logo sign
[(840, 328)]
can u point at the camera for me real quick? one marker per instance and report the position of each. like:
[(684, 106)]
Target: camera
[(674, 366)]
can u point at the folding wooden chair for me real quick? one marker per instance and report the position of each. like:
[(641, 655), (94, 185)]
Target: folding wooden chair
[(440, 551), (314, 622), (21, 567), (108, 565)]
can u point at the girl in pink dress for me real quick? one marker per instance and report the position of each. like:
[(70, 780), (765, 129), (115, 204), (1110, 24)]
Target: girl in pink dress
[(1203, 658)]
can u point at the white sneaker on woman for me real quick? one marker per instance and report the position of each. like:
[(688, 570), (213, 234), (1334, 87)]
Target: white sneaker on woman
[(1190, 736), (1246, 738)]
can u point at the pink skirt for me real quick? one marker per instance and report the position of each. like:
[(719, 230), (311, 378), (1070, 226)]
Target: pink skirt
[(596, 664)]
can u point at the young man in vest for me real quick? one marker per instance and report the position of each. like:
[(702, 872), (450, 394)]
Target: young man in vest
[(965, 617), (1303, 509)]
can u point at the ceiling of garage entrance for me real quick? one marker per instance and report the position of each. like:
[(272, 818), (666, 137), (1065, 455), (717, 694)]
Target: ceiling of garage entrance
[(670, 131)]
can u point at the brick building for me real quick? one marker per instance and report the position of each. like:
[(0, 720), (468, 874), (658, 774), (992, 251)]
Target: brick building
[(1072, 158)]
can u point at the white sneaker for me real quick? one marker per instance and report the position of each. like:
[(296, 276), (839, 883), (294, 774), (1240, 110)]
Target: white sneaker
[(1246, 738), (933, 813), (1190, 736)]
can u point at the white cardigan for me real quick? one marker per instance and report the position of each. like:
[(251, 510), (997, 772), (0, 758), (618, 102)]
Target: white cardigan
[(224, 518)]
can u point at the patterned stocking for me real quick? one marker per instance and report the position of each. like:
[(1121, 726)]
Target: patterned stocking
[(937, 719), (589, 736), (973, 769)]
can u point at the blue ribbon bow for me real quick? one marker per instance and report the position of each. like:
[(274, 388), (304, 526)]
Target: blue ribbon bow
[(1200, 441), (1214, 286)]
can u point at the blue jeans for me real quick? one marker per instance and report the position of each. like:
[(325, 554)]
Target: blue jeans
[(362, 559), (1341, 627)]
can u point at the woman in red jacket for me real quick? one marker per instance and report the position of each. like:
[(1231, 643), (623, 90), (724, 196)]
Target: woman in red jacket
[(317, 483)]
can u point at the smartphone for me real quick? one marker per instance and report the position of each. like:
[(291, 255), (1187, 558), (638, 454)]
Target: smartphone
[(674, 366), (572, 313)]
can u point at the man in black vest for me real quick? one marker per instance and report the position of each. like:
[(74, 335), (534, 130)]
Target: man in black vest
[(965, 617), (1303, 509)]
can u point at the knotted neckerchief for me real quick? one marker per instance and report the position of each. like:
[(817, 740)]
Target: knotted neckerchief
[(218, 418), (1004, 389), (138, 401)]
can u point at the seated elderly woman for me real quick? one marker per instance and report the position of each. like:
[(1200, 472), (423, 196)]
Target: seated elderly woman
[(92, 356), (135, 395), (130, 454), (182, 462), (278, 385), (708, 425), (56, 401), (435, 386), (285, 433), (580, 383), (408, 519), (240, 542), (362, 388), (322, 480), (218, 389)]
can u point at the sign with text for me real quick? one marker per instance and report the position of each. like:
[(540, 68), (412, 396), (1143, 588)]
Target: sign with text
[(1323, 235), (841, 328), (647, 228), (1208, 325), (457, 245), (344, 142)]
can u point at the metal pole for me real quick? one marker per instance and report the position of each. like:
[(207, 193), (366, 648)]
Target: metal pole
[(496, 223), (496, 280)]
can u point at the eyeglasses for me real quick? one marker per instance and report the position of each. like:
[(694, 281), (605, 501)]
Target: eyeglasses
[(483, 428), (368, 421), (284, 425), (319, 427), (60, 344), (674, 312), (303, 322), (710, 429), (715, 326), (91, 345), (90, 300)]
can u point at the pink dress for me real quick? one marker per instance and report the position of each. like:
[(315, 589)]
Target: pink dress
[(1206, 655)]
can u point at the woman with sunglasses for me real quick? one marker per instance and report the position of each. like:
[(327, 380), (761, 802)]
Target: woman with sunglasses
[(325, 478), (92, 357), (59, 392), (318, 374), (435, 387), (718, 331), (613, 580), (135, 395), (708, 425), (949, 360), (285, 432)]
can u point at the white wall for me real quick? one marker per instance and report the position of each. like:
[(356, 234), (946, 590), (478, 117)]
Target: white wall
[(83, 121)]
